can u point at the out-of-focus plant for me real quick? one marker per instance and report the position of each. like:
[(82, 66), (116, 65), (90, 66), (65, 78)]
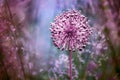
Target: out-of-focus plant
[(10, 40)]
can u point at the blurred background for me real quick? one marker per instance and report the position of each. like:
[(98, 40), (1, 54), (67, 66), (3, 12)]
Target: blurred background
[(27, 51)]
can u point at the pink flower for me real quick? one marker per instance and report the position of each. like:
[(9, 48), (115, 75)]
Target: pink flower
[(70, 30)]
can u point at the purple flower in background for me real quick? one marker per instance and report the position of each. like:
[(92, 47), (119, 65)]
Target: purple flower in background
[(70, 30)]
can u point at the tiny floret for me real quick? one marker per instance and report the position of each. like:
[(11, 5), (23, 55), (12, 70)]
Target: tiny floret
[(70, 30)]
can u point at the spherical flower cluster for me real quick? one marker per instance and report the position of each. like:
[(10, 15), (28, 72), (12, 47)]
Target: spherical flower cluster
[(70, 30)]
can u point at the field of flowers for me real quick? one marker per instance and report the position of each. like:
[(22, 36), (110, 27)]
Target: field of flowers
[(59, 39)]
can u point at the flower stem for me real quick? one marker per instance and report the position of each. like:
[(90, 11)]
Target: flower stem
[(70, 65)]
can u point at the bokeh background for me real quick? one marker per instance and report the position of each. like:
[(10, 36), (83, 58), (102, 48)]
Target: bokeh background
[(27, 51)]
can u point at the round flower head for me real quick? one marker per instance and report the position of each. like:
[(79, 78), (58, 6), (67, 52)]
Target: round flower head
[(70, 30)]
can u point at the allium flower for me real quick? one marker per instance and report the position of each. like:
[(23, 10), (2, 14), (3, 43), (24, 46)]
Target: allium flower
[(70, 30)]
